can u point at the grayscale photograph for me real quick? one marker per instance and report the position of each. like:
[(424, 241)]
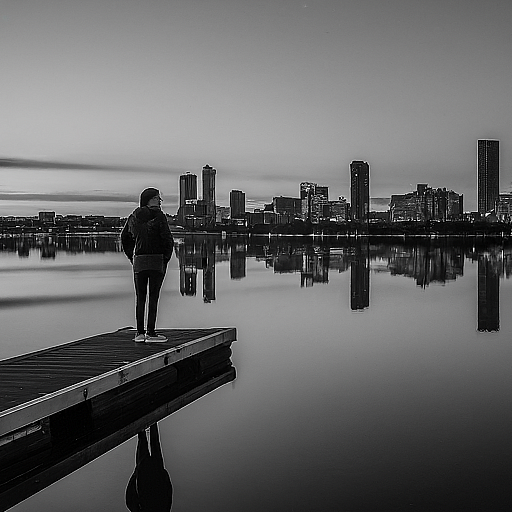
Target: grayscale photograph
[(255, 255)]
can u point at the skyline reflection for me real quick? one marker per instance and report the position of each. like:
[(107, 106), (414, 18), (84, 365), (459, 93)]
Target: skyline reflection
[(422, 261)]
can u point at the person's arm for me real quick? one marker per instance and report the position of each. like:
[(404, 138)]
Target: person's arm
[(127, 241), (167, 239)]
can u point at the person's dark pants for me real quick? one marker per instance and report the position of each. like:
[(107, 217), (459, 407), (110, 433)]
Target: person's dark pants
[(154, 280)]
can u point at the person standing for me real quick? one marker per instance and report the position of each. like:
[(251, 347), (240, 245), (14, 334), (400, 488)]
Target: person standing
[(148, 243)]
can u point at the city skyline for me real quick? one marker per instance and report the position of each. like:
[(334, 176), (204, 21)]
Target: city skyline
[(188, 190), (271, 94)]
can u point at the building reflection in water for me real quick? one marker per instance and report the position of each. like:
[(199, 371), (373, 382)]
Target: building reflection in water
[(427, 262), (489, 266), (315, 266), (189, 261), (360, 278), (237, 259), (193, 255), (208, 249)]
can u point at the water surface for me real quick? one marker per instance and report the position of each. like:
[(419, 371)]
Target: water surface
[(369, 377)]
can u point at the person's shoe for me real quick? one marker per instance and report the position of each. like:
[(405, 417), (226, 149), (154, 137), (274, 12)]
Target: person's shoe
[(140, 338), (155, 338)]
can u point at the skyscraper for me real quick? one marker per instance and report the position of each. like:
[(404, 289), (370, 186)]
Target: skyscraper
[(313, 197), (209, 193), (488, 174), (188, 187), (359, 190), (237, 204), (307, 190)]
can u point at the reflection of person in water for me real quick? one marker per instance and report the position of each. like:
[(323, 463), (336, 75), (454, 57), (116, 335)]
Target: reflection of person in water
[(149, 488)]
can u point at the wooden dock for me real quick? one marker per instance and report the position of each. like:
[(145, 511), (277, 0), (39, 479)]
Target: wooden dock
[(64, 406), (38, 384)]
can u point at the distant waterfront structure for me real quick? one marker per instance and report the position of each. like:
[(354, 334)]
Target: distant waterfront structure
[(426, 203), (47, 217), (359, 190), (504, 208), (287, 206), (188, 187), (223, 214), (209, 193), (488, 174), (237, 204), (339, 210)]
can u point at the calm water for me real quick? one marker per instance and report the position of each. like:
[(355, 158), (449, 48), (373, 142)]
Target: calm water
[(368, 377)]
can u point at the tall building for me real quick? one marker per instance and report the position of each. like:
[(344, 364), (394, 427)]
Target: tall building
[(209, 193), (488, 174), (188, 187), (313, 198), (307, 190), (237, 204), (359, 190)]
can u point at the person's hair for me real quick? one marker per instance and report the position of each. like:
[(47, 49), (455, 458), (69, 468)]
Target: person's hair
[(147, 194)]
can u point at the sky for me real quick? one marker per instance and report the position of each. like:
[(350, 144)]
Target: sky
[(102, 98)]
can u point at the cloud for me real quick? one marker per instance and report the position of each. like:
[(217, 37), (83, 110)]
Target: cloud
[(66, 197), (45, 300), (22, 163)]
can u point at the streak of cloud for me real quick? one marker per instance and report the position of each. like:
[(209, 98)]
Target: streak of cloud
[(67, 197), (16, 302), (22, 163)]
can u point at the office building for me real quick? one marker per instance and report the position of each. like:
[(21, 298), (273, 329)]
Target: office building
[(339, 210), (313, 198), (237, 204), (306, 193), (359, 190), (504, 209), (488, 174), (188, 187), (426, 203), (209, 193), (287, 205), (47, 217)]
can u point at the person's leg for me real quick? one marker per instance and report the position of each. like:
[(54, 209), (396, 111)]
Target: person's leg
[(141, 286), (154, 441), (142, 448), (155, 284)]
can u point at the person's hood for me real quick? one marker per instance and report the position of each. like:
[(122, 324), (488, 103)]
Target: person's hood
[(145, 214)]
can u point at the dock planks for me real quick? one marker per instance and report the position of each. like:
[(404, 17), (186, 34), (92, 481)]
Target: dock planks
[(36, 385)]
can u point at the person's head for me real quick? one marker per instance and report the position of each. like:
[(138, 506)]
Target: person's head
[(150, 197)]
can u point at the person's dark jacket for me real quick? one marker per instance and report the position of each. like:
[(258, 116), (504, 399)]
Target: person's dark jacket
[(147, 232)]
